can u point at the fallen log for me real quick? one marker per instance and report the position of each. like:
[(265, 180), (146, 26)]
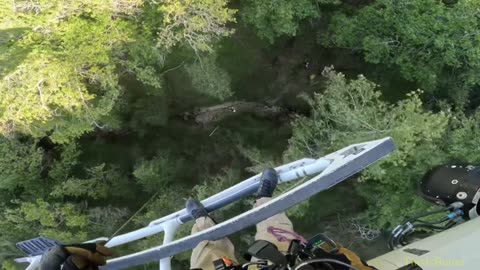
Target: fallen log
[(216, 113)]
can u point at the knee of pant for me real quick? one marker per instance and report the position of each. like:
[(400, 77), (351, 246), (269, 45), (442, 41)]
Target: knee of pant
[(53, 259)]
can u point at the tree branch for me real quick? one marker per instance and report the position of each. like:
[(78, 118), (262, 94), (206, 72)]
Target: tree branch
[(39, 88)]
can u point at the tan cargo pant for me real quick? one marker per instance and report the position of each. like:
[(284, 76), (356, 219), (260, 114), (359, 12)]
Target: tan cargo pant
[(208, 251)]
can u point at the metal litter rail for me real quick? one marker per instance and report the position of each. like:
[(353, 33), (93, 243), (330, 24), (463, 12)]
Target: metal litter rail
[(333, 169)]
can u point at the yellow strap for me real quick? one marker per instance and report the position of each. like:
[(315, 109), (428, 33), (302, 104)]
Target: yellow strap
[(354, 259)]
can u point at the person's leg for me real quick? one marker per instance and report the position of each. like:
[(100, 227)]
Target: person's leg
[(277, 229), (53, 259), (206, 252)]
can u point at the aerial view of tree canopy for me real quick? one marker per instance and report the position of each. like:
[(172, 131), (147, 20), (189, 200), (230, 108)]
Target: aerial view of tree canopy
[(272, 19), (353, 111), (430, 42), (65, 81), (108, 104)]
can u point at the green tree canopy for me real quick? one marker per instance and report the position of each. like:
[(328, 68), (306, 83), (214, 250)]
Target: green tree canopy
[(67, 81), (21, 164), (66, 56), (157, 173), (352, 111), (195, 23), (97, 99), (272, 19), (210, 79), (434, 44)]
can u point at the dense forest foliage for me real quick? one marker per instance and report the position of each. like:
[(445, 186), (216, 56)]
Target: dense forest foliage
[(104, 104)]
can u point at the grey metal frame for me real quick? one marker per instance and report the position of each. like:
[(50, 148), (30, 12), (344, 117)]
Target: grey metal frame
[(333, 169)]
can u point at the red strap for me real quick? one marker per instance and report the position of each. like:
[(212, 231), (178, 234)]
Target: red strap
[(280, 235), (227, 261)]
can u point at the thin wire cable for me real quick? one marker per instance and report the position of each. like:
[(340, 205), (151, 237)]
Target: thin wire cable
[(426, 214), (394, 239), (401, 239), (131, 218), (324, 260)]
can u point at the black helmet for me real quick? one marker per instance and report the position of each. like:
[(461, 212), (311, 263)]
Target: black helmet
[(447, 184)]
